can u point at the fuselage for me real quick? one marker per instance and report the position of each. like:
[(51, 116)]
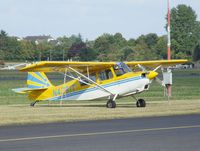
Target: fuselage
[(123, 85)]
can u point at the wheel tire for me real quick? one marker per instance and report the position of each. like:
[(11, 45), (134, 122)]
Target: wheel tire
[(32, 104), (111, 104), (140, 103)]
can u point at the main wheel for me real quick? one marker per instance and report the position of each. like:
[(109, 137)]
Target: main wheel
[(33, 103), (140, 103), (111, 104)]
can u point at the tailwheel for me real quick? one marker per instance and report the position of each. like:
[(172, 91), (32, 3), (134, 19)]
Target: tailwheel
[(33, 103), (140, 103), (111, 104)]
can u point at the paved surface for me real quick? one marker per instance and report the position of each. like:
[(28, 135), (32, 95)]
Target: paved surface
[(177, 133)]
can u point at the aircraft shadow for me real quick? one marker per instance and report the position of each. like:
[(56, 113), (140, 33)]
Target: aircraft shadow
[(85, 105)]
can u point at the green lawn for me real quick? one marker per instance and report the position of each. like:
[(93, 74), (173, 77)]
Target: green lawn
[(186, 86)]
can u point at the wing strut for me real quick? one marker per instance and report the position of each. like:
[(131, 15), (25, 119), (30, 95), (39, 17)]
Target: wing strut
[(80, 74)]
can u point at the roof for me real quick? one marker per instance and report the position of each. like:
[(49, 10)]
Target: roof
[(40, 38)]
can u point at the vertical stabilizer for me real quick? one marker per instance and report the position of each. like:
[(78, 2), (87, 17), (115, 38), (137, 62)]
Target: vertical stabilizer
[(37, 80)]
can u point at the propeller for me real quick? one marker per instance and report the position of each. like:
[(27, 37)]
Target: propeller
[(157, 79), (142, 67), (152, 75)]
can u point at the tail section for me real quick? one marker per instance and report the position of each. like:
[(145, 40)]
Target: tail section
[(37, 80)]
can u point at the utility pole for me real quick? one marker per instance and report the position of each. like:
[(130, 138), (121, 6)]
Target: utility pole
[(169, 87)]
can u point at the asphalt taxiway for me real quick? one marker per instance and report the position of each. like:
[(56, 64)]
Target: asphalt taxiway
[(180, 133)]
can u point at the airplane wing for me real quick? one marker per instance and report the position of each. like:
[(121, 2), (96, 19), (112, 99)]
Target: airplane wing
[(155, 63), (60, 66)]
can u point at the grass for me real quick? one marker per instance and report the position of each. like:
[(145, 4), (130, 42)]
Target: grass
[(186, 85), (15, 107), (23, 114)]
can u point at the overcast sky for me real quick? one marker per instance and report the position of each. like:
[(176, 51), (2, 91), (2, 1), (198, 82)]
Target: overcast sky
[(90, 18)]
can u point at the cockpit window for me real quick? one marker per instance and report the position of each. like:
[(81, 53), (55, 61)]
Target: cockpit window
[(85, 81), (121, 68), (93, 77), (105, 74)]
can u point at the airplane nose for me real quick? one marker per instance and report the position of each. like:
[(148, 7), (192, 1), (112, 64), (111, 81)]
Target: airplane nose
[(152, 74)]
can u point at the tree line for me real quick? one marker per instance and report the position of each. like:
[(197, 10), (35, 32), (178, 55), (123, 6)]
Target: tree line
[(185, 40)]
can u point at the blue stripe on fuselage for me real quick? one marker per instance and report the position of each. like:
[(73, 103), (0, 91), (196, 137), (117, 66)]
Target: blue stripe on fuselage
[(96, 87)]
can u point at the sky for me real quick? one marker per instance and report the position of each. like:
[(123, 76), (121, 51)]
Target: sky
[(90, 18)]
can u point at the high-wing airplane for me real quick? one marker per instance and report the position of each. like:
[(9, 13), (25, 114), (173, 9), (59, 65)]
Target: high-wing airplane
[(92, 80)]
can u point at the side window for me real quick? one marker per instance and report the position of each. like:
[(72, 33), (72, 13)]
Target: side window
[(109, 74), (92, 77), (105, 74), (84, 82), (102, 75)]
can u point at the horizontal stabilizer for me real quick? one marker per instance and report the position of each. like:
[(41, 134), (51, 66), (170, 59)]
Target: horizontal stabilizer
[(26, 90)]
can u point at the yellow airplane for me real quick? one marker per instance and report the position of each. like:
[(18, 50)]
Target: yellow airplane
[(91, 80)]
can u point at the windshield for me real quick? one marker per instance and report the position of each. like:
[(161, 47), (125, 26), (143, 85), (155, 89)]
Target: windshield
[(121, 68)]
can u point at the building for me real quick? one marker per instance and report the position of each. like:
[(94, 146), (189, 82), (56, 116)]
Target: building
[(41, 39)]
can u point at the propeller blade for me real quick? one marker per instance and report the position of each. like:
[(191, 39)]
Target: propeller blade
[(142, 67), (157, 68)]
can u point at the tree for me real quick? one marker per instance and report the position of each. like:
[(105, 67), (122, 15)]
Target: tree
[(119, 40), (81, 52), (109, 47), (104, 44), (64, 44), (3, 40), (161, 47), (87, 54), (12, 49), (3, 34), (126, 51), (131, 42), (185, 31), (2, 56), (151, 39), (27, 50), (196, 54), (143, 52), (43, 50)]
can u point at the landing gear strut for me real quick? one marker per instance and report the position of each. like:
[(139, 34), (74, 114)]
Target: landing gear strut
[(111, 104), (33, 103)]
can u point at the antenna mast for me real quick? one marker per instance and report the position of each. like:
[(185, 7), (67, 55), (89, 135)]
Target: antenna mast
[(169, 86)]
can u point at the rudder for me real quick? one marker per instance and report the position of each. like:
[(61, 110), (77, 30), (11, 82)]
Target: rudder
[(37, 80)]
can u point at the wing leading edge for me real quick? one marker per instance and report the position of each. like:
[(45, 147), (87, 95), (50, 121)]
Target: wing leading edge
[(156, 63), (60, 66)]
